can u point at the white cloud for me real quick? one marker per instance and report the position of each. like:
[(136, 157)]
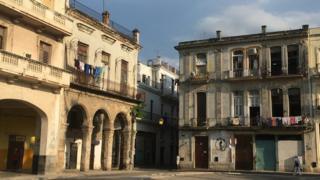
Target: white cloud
[(244, 19)]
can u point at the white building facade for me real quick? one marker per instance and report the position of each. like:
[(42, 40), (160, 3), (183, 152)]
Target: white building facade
[(156, 140)]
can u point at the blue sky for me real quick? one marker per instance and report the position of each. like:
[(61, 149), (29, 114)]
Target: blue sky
[(164, 23)]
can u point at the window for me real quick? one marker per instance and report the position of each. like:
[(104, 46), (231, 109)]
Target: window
[(2, 37), (201, 64), (83, 52), (45, 52), (276, 61), (277, 102), (144, 78), (201, 108), (293, 59), (254, 107), (253, 57), (238, 103), (105, 58), (294, 102), (237, 60)]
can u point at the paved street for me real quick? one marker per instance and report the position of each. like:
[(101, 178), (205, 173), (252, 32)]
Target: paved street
[(146, 174), (193, 176)]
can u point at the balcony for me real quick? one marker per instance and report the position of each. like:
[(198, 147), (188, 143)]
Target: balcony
[(281, 123), (103, 85), (154, 118), (16, 67), (157, 87), (33, 13)]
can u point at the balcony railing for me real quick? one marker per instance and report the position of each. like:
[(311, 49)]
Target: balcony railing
[(15, 65), (37, 11), (75, 4), (81, 78), (155, 118), (159, 87), (273, 122)]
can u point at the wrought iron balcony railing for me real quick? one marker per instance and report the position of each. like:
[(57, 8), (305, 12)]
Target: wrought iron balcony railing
[(98, 83)]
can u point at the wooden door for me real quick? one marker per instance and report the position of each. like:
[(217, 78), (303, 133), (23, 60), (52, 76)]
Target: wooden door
[(15, 152), (201, 152), (254, 116), (244, 155)]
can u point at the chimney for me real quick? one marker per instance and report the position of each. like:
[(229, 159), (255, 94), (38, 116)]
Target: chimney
[(263, 29), (218, 34), (305, 26), (136, 35), (106, 18)]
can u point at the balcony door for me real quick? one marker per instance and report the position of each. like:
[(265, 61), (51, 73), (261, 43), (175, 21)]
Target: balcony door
[(124, 77), (201, 108)]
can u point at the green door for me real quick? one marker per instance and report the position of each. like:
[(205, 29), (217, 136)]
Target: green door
[(265, 154)]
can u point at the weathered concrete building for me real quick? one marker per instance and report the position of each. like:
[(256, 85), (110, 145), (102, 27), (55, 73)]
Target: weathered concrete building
[(97, 129), (156, 141), (250, 102), (32, 78)]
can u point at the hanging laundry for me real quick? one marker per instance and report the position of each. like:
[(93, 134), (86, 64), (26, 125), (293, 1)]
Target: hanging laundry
[(77, 64), (279, 121), (273, 121), (292, 120), (81, 65), (299, 120), (286, 121), (87, 69), (97, 73)]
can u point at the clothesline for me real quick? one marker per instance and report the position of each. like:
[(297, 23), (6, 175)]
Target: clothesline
[(95, 71)]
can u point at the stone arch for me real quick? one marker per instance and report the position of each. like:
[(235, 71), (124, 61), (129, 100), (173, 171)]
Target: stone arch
[(121, 141), (77, 129), (101, 125), (28, 138)]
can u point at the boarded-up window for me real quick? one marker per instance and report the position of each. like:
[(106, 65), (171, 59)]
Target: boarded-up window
[(2, 37), (45, 52), (105, 58), (83, 52)]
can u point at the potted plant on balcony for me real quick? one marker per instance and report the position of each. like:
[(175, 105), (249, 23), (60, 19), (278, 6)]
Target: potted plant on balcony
[(137, 111)]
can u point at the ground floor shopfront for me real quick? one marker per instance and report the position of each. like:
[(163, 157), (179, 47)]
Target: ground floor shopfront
[(272, 150), (156, 146)]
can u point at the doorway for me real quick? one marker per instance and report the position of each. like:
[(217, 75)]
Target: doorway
[(201, 152), (265, 153), (244, 155), (15, 152)]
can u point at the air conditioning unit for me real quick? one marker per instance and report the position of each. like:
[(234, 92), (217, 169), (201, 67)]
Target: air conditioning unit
[(235, 121)]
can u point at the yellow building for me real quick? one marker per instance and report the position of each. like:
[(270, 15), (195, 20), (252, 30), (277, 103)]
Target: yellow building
[(32, 76)]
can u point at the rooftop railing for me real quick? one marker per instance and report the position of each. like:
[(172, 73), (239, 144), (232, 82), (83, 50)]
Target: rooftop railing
[(75, 4)]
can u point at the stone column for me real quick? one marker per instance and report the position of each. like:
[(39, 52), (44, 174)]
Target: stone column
[(61, 146), (286, 109), (86, 147), (126, 149), (133, 142), (107, 149)]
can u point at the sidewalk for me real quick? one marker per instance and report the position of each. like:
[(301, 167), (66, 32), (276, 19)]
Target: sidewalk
[(248, 172)]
